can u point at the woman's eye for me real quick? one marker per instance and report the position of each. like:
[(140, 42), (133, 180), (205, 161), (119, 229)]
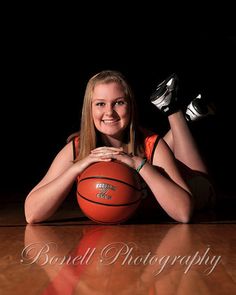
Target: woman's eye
[(117, 103), (120, 102), (100, 104)]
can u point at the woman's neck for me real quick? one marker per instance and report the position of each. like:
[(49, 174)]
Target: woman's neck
[(111, 141)]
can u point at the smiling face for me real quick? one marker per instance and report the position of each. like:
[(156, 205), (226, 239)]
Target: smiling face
[(110, 109)]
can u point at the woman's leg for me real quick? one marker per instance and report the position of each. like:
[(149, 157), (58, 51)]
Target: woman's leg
[(179, 138), (182, 143)]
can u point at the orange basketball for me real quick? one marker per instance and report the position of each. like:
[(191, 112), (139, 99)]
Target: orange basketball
[(109, 192)]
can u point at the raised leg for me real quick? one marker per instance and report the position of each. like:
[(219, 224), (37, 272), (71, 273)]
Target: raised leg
[(182, 143)]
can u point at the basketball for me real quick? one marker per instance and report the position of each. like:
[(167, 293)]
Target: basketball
[(109, 192)]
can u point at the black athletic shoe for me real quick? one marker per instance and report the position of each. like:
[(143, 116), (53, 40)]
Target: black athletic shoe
[(165, 95), (198, 109)]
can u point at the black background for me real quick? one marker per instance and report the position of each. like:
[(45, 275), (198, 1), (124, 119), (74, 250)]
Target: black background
[(48, 59)]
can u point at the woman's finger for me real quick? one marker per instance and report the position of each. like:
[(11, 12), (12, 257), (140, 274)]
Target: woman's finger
[(106, 149)]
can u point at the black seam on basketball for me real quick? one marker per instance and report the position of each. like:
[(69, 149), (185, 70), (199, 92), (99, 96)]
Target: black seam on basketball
[(112, 205), (109, 178)]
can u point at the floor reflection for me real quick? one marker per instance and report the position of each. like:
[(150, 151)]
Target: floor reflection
[(131, 259)]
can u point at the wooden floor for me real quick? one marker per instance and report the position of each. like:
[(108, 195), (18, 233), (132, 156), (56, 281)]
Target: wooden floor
[(73, 255)]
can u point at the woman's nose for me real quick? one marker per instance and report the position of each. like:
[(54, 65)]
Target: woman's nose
[(109, 109)]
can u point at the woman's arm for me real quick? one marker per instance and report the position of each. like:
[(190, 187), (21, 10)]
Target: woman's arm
[(45, 198), (49, 193), (163, 178), (167, 184)]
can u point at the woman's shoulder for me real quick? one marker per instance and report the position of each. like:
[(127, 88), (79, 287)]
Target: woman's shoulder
[(73, 137), (150, 140), (149, 135)]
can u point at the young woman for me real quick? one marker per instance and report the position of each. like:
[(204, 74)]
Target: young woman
[(109, 130)]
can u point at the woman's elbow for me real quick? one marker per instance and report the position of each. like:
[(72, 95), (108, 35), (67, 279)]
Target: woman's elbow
[(185, 218), (30, 219), (185, 215)]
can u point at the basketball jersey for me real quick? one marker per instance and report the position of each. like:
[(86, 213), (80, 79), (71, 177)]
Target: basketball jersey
[(150, 142)]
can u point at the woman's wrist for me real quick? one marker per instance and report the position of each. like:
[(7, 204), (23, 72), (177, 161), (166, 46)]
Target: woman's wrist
[(139, 163)]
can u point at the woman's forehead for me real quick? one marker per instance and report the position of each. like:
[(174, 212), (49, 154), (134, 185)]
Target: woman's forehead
[(111, 90)]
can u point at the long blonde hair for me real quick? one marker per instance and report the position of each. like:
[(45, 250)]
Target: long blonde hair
[(88, 135)]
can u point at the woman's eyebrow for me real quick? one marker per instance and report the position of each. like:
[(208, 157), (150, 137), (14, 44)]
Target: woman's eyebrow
[(103, 99)]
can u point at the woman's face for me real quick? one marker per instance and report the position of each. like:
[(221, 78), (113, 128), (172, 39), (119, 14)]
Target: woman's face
[(110, 109)]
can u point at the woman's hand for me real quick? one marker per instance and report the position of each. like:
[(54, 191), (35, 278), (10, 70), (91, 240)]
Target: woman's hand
[(112, 153), (103, 154)]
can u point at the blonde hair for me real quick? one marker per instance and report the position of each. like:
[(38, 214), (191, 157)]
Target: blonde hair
[(88, 135)]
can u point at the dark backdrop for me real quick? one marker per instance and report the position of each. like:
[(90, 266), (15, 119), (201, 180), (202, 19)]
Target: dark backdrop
[(46, 73)]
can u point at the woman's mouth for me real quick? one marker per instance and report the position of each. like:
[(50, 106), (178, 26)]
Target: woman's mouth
[(110, 121)]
